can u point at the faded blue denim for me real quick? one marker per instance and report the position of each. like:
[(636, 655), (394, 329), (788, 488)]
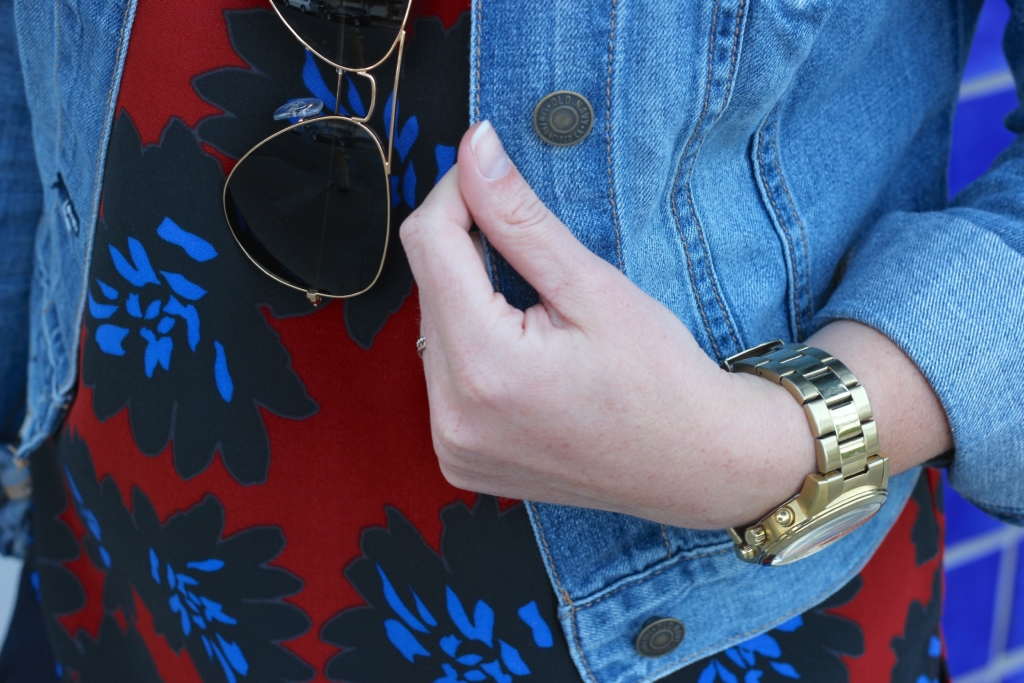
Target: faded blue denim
[(760, 168)]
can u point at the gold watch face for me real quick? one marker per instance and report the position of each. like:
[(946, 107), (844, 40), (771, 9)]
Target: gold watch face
[(825, 534)]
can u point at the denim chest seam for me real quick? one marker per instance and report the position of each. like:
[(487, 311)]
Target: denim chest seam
[(774, 189), (695, 142), (564, 594), (608, 139)]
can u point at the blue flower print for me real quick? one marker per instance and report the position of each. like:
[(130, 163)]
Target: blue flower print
[(200, 612), (481, 658), (158, 318), (483, 612), (746, 656), (177, 327)]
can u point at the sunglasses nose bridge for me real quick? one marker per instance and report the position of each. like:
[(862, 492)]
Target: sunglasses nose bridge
[(373, 92)]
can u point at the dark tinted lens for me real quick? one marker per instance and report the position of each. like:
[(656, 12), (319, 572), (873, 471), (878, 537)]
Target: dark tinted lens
[(310, 205), (355, 35)]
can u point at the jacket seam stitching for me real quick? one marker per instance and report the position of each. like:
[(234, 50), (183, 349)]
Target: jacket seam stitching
[(785, 231), (796, 217), (637, 582), (565, 594), (492, 262), (679, 172), (689, 187), (668, 546), (608, 138)]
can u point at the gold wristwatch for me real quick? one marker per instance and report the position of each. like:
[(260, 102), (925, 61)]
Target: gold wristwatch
[(853, 477)]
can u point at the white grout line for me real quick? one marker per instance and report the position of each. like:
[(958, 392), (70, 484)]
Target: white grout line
[(1008, 663), (988, 84), (967, 551), (1002, 613)]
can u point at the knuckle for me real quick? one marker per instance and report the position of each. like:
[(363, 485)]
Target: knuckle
[(524, 210)]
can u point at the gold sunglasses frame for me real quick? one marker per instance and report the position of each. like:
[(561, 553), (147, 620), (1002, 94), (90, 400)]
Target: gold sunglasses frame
[(313, 295)]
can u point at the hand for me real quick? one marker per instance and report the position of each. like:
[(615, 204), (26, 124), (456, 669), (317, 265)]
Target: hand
[(598, 396)]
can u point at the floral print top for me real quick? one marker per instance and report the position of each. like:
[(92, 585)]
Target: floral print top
[(245, 487)]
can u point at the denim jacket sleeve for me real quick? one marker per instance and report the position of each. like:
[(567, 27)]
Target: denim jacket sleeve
[(20, 207), (948, 288)]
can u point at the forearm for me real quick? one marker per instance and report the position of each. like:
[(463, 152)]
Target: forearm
[(912, 425)]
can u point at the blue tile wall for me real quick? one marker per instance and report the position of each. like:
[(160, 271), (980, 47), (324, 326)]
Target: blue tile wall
[(984, 610), (972, 603)]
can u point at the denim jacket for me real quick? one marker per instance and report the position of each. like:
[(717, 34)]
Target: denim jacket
[(761, 168)]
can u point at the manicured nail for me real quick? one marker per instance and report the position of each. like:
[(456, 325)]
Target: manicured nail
[(490, 155)]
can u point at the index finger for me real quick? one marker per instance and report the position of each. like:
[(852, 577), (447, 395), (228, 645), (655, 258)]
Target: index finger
[(452, 280)]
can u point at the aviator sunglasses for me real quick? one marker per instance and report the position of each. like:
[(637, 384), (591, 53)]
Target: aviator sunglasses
[(311, 204)]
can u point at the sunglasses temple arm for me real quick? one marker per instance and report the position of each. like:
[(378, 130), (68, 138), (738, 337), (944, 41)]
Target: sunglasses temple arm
[(394, 99)]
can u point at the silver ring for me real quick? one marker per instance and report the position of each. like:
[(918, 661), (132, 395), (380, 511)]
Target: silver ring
[(421, 346)]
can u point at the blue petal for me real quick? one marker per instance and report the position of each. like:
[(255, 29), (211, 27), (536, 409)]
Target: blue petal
[(409, 186), (470, 660), (198, 621), (314, 82), (934, 647), (158, 351), (107, 290), (450, 645), (396, 604), (228, 673), (445, 156), (395, 197), (139, 274), (206, 644), (189, 314), (513, 660), (405, 140), (753, 676), (225, 386), (483, 616), (153, 310), (194, 245), (133, 308), (234, 655), (763, 644), (403, 639), (185, 580), (733, 654), (532, 618), (387, 111), (791, 625), (725, 674), (176, 606), (165, 325), (473, 676), (494, 669), (154, 566), (213, 611), (183, 287), (785, 669), (100, 311), (34, 579), (92, 523), (425, 614), (105, 556), (212, 565), (709, 674), (109, 338), (354, 101)]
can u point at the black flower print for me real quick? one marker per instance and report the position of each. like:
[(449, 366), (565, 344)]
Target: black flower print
[(805, 648), (919, 650), (174, 317), (483, 612), (215, 596)]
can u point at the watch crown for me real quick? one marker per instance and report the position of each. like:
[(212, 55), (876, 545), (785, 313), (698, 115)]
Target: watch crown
[(754, 535)]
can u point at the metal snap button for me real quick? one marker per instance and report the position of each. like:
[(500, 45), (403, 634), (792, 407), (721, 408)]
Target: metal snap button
[(659, 636), (563, 118)]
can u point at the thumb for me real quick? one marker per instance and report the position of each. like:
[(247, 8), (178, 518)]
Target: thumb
[(521, 228)]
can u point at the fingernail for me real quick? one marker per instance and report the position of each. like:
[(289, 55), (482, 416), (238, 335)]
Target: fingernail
[(490, 155)]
